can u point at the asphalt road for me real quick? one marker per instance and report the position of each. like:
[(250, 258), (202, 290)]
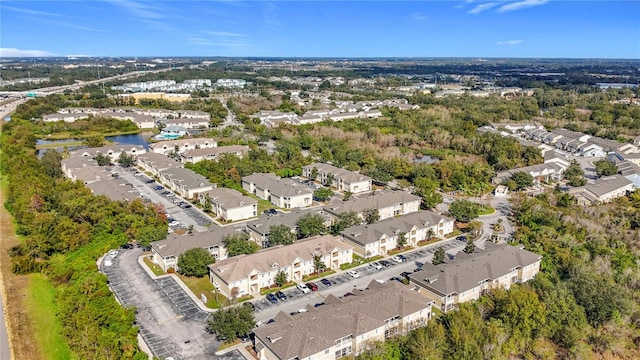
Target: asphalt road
[(344, 283), (5, 353)]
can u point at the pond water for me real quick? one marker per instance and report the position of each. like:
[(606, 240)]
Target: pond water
[(139, 139)]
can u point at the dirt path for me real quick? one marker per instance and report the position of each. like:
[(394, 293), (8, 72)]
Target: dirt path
[(22, 342)]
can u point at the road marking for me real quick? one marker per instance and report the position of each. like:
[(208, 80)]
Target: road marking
[(170, 320)]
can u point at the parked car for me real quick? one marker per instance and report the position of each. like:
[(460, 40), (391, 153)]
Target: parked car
[(318, 304), (303, 288), (114, 253), (405, 274), (312, 286), (158, 188), (281, 295), (326, 282), (272, 298), (376, 265), (149, 181), (403, 258), (385, 263), (462, 238), (396, 258), (353, 273)]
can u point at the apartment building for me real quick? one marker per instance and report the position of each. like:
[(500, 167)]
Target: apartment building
[(469, 276), (604, 190), (182, 145), (197, 155), (341, 179), (260, 229), (343, 327), (281, 192), (229, 204), (247, 274), (389, 204)]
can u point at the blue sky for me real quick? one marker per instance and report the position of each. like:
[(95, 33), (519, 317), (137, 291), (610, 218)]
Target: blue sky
[(465, 28)]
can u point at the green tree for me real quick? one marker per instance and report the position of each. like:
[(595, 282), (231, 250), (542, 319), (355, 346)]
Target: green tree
[(231, 323), (605, 167), (94, 141), (402, 240), (438, 256), (464, 210), (470, 247), (344, 221), (101, 159), (280, 235), (281, 278), (574, 175), (195, 262), (237, 244), (318, 264), (522, 180), (51, 162), (310, 225), (371, 215), (323, 194), (125, 160)]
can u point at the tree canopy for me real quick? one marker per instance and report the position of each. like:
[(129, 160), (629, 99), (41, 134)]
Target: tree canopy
[(195, 262)]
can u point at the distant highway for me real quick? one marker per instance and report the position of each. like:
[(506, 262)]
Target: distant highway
[(62, 88)]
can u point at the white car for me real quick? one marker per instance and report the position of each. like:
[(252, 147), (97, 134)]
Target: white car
[(114, 253), (396, 258), (376, 265), (353, 273)]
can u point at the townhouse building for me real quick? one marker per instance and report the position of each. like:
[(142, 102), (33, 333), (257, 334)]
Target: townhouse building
[(260, 229), (155, 163), (247, 274), (341, 179), (189, 123), (182, 145), (165, 253), (284, 193), (112, 151), (185, 182), (379, 238), (469, 276), (388, 203), (604, 190), (343, 327), (229, 204), (197, 155)]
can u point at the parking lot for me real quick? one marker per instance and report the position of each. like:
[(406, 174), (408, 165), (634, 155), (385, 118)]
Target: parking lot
[(175, 206), (344, 283), (169, 321)]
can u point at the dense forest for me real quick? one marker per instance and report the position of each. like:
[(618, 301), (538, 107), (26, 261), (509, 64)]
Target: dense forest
[(65, 229)]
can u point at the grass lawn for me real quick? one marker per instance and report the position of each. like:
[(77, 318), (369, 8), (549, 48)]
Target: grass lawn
[(225, 344), (155, 268), (306, 278), (199, 286), (486, 210), (40, 304)]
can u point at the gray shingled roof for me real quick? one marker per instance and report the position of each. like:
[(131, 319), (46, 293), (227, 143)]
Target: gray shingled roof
[(367, 234), (606, 185), (469, 270), (318, 329), (376, 200), (280, 187), (345, 175), (176, 245), (238, 267), (263, 224)]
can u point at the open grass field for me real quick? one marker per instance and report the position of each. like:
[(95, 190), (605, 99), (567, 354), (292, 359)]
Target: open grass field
[(39, 302)]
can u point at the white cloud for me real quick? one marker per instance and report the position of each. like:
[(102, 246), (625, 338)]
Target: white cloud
[(418, 16), (138, 9), (510, 42), (482, 7), (30, 12), (521, 5), (225, 34), (13, 52)]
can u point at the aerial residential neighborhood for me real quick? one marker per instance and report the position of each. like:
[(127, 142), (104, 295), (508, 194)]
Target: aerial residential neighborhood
[(211, 205)]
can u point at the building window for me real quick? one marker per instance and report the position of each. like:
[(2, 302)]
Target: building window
[(343, 352)]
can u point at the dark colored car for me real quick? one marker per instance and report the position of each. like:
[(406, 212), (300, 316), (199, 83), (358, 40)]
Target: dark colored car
[(281, 295), (318, 304), (150, 181), (385, 263), (404, 258), (158, 187), (312, 286), (272, 298), (461, 238), (127, 246), (326, 282), (405, 274)]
